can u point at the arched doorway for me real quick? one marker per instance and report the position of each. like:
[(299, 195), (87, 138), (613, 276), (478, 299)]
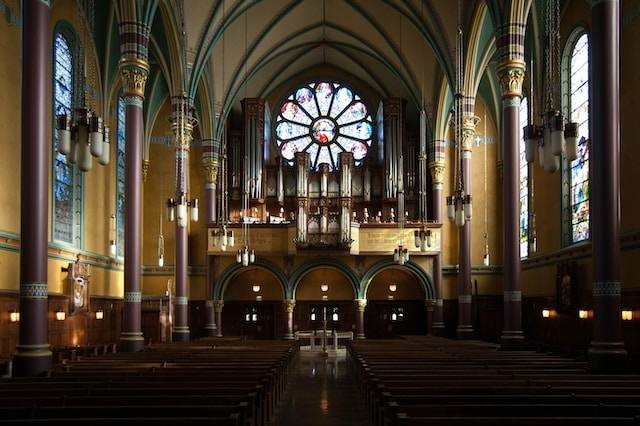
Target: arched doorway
[(253, 305), (313, 300), (395, 304)]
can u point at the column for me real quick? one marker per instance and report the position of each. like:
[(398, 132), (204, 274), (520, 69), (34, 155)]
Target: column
[(607, 349), (511, 73), (33, 357), (217, 306), (210, 163), (182, 125), (430, 304), (289, 305), (437, 168), (134, 70), (465, 326), (210, 327), (361, 304)]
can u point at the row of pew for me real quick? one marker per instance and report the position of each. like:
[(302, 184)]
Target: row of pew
[(214, 382), (423, 380)]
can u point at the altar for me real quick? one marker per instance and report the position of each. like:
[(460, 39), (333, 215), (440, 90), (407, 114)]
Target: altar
[(323, 342)]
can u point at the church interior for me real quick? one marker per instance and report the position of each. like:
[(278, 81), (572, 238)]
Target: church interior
[(319, 212)]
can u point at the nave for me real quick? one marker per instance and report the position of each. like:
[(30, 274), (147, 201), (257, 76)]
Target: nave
[(413, 380)]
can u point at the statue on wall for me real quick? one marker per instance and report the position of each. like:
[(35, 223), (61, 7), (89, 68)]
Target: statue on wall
[(78, 292), (565, 287)]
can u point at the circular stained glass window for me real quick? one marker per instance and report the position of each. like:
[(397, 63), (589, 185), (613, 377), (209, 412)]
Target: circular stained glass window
[(324, 119)]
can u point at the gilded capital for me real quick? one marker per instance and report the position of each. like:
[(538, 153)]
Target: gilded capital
[(511, 77), (469, 123), (361, 304), (437, 171), (134, 73), (218, 305), (289, 304), (211, 170)]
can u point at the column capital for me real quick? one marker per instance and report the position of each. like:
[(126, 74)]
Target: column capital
[(289, 305), (430, 304), (134, 73), (511, 75), (218, 305), (469, 123), (361, 304), (210, 168), (145, 169), (437, 169)]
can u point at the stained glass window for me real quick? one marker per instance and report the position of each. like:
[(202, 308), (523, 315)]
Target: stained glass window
[(64, 185), (324, 119), (524, 181), (120, 179), (578, 170)]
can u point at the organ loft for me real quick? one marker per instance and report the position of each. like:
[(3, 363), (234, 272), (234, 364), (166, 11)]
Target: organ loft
[(319, 212)]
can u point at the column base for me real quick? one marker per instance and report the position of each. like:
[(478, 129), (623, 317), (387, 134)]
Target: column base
[(438, 329), (289, 336), (31, 361), (512, 341), (131, 341), (180, 334), (360, 336), (606, 357), (219, 334), (210, 330), (465, 332)]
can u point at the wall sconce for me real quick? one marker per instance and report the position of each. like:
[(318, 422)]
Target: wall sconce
[(582, 314), (324, 288), (256, 288), (99, 315), (61, 315), (627, 315), (546, 313), (325, 297), (14, 316), (393, 287), (258, 298), (390, 297)]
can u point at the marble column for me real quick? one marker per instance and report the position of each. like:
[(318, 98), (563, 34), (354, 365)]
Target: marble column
[(511, 75), (33, 357), (134, 72), (183, 134), (465, 325), (437, 169), (210, 327), (289, 306), (361, 304), (218, 305), (607, 351)]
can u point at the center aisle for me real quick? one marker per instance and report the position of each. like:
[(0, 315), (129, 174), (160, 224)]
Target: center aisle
[(322, 392)]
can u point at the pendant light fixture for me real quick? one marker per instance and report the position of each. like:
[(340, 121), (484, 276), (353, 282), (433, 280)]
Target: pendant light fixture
[(459, 207), (180, 209), (553, 138), (81, 134), (400, 253), (245, 255)]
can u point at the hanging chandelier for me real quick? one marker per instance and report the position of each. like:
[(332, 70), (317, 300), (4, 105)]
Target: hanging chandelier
[(400, 253), (555, 136), (422, 239), (245, 255), (180, 209), (459, 207)]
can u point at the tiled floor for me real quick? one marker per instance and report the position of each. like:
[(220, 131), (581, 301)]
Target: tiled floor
[(322, 392)]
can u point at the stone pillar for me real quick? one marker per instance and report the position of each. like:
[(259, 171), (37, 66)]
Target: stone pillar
[(210, 327), (361, 304), (607, 351), (430, 305), (217, 306), (437, 168), (465, 326), (289, 305), (511, 75), (210, 166), (33, 357), (182, 124), (134, 70)]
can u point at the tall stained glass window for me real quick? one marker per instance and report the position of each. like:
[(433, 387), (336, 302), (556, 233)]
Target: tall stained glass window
[(524, 180), (66, 205), (577, 171), (324, 119), (120, 179)]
